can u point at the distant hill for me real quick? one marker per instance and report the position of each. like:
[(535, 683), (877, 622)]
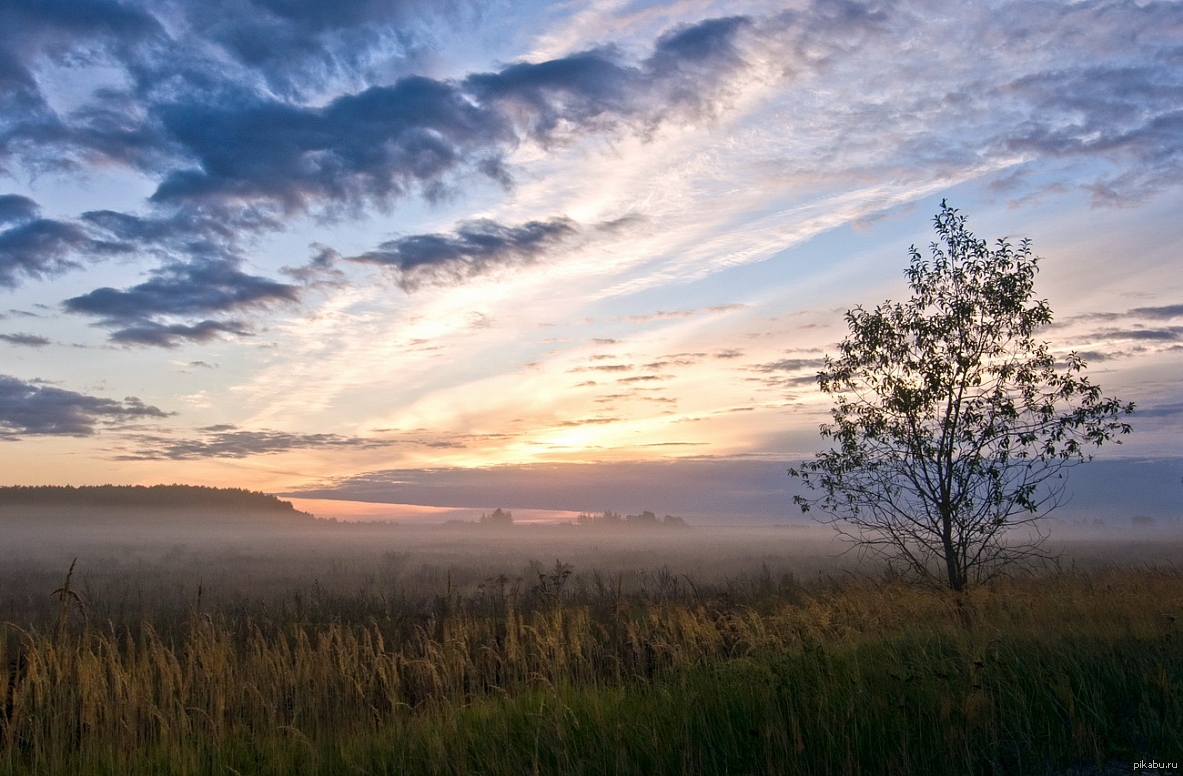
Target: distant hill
[(152, 496)]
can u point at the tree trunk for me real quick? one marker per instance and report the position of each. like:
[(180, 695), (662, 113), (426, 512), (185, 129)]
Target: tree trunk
[(952, 566)]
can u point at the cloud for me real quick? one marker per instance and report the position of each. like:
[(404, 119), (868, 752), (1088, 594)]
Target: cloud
[(475, 248), (801, 373), (27, 340), (1124, 111), (373, 146), (32, 408), (386, 141), (172, 335), (1160, 313), (233, 159), (248, 113), (30, 30), (718, 486), (675, 360), (586, 422), (718, 489), (219, 143), (14, 207), (791, 365), (596, 90), (1162, 410), (43, 247), (188, 289), (1168, 334), (227, 441), (657, 315), (603, 368), (296, 44)]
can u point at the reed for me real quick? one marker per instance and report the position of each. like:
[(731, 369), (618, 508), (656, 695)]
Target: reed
[(860, 677)]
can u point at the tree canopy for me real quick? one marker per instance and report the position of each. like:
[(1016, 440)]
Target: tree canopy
[(952, 423)]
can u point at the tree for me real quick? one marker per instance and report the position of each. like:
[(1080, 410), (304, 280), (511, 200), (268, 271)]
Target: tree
[(498, 519), (952, 425)]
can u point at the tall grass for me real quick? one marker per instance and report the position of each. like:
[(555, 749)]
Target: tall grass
[(869, 678)]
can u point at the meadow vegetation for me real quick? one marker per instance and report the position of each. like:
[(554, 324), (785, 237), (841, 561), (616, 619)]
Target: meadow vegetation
[(417, 658)]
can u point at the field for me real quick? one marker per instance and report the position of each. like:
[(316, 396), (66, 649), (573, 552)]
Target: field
[(401, 650)]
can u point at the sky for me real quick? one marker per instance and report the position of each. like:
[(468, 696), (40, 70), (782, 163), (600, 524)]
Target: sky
[(551, 255)]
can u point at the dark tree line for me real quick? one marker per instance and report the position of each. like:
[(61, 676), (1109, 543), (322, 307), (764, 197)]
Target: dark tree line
[(158, 496)]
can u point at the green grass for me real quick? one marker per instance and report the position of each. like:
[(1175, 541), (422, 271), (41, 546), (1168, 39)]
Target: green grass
[(1021, 677)]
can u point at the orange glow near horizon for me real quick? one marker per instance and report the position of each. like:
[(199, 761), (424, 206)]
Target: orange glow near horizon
[(367, 512)]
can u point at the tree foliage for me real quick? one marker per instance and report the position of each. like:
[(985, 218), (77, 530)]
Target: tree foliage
[(952, 424)]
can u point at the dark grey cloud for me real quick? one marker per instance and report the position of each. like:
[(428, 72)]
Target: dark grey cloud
[(44, 247), (1164, 313), (1162, 410), (473, 249), (684, 486), (26, 340), (374, 146), (298, 43), (788, 373), (34, 408), (173, 334), (14, 207), (63, 29), (597, 90), (233, 160), (64, 32), (197, 288), (1167, 334), (386, 141), (717, 489), (1161, 313), (227, 441), (791, 365), (227, 145)]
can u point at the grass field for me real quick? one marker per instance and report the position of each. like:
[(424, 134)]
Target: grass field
[(540, 675)]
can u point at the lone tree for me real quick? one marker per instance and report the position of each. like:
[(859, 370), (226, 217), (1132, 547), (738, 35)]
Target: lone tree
[(952, 425)]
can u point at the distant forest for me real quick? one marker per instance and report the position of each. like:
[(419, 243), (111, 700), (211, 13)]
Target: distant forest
[(500, 518), (159, 496), (646, 519)]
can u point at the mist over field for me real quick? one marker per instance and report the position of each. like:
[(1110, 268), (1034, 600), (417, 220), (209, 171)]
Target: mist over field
[(255, 637), (158, 557)]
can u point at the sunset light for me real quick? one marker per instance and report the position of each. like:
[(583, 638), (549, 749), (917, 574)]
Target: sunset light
[(468, 237)]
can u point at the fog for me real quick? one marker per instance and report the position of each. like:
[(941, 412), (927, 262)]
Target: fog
[(159, 564)]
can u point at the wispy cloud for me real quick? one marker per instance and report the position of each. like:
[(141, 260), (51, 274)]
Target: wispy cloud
[(26, 340), (475, 248), (227, 441)]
